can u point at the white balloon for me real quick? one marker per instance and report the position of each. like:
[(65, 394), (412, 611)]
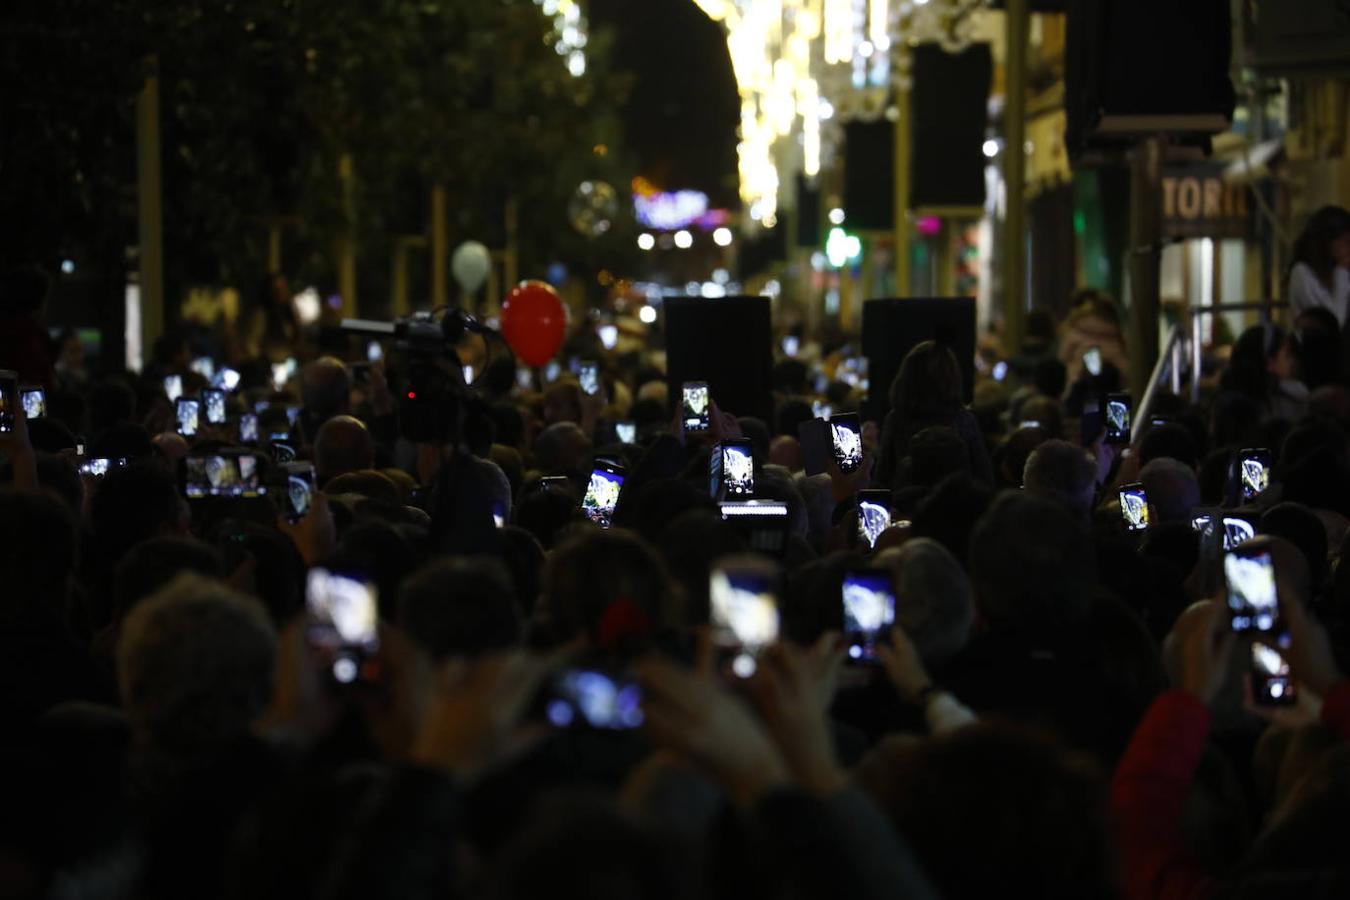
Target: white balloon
[(470, 265)]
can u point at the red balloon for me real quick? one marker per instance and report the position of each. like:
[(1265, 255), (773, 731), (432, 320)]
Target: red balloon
[(534, 322)]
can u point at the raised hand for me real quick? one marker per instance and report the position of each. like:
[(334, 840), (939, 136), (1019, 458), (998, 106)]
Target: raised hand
[(792, 690), (697, 718)]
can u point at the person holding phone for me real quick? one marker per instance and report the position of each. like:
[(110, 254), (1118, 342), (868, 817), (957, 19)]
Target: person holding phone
[(1093, 321), (1152, 782)]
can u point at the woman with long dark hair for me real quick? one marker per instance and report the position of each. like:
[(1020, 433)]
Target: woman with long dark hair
[(1264, 368), (926, 393), (1320, 274)]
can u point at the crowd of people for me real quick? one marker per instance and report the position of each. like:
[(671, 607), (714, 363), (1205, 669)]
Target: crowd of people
[(1061, 708)]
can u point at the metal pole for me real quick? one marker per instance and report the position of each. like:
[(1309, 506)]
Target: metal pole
[(1146, 259), (1016, 20), (347, 241), (903, 136), (439, 248), (512, 258), (149, 204), (399, 294)]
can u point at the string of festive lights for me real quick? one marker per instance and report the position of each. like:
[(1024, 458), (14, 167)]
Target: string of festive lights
[(569, 29), (803, 67)]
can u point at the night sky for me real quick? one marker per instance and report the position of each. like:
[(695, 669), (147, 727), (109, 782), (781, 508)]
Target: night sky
[(683, 111)]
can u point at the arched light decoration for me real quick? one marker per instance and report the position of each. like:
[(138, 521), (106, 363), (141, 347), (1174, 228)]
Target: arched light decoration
[(801, 63), (569, 28)]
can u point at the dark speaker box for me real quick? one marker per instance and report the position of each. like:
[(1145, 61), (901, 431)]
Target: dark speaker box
[(948, 111), (869, 175), (726, 342), (895, 325), (1135, 67)]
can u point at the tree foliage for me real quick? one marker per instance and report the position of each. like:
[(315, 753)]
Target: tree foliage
[(260, 100)]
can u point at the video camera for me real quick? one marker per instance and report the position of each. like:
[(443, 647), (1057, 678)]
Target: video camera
[(432, 399)]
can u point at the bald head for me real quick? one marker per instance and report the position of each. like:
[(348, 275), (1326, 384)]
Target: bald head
[(171, 445), (342, 445), (1063, 473), (325, 388)]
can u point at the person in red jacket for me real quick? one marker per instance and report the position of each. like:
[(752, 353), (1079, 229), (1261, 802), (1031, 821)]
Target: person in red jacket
[(1154, 778)]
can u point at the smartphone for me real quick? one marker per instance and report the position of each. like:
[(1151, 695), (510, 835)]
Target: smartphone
[(214, 401), (791, 345), (524, 379), (204, 366), (743, 599), (846, 441), (1092, 361), (626, 432), (173, 387), (763, 523), (609, 336), (602, 494), (343, 623), (1253, 473), (588, 373), (1272, 681), (1119, 409), (374, 351), (222, 475), (1253, 599), (34, 400), (292, 414), (821, 410), (1090, 422), (9, 399), (869, 609), (591, 698), (1134, 508), (556, 482), (814, 437), (732, 465), (100, 466), (282, 451), (248, 428), (552, 371), (299, 493), (1000, 370), (467, 373), (226, 379), (695, 405), (1028, 423), (189, 416), (874, 515), (1235, 530)]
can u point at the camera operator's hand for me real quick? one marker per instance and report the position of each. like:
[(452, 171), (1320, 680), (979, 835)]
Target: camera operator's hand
[(903, 665), (792, 689), (16, 447), (1306, 710), (844, 485), (303, 709), (315, 535), (724, 426), (474, 718), (1203, 642), (698, 718), (1309, 652), (1104, 454)]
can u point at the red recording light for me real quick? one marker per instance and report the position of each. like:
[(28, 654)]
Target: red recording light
[(412, 395)]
